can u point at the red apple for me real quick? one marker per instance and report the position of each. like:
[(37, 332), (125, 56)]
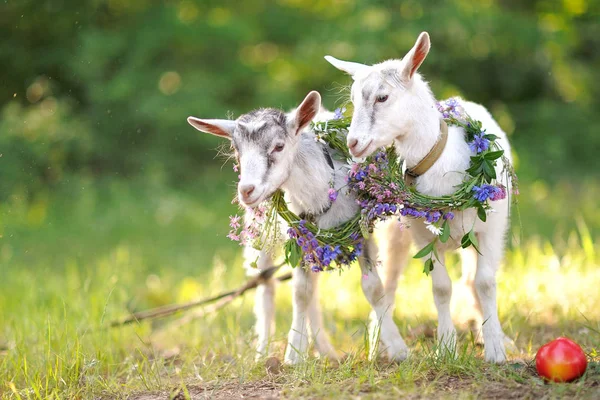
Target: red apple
[(561, 360)]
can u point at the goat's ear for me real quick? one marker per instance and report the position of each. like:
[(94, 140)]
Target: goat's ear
[(348, 67), (217, 127), (305, 112), (414, 58)]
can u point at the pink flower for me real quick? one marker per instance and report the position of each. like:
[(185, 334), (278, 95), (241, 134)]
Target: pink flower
[(233, 236), (234, 221), (236, 168)]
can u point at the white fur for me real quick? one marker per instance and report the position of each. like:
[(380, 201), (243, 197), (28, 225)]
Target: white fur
[(409, 119), (302, 171)]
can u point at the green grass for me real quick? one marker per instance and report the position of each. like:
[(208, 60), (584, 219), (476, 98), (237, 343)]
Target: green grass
[(84, 255)]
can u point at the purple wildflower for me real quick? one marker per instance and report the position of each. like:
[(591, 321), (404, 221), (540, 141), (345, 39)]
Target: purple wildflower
[(302, 227), (479, 143), (499, 193), (433, 216), (333, 194), (339, 113), (449, 215), (484, 192)]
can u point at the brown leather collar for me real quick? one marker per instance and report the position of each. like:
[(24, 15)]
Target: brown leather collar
[(431, 157)]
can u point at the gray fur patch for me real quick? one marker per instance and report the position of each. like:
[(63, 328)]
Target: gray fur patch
[(260, 127)]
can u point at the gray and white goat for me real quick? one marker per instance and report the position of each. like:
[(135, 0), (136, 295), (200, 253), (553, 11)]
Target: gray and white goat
[(276, 150)]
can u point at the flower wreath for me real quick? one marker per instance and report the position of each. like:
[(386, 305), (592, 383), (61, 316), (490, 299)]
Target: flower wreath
[(382, 192)]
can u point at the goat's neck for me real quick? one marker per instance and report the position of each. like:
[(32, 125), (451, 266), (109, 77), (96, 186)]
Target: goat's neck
[(310, 178), (422, 132)]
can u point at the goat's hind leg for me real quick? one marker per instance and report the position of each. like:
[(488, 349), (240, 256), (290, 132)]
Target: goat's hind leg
[(381, 327), (264, 299)]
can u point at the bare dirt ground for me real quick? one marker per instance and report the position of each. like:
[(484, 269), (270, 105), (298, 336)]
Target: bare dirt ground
[(527, 386)]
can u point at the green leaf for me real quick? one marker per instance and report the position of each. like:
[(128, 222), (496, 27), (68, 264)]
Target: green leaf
[(293, 253), (490, 136), (492, 155), (435, 253), (471, 185), (489, 171), (481, 212), (428, 267), (445, 232), (476, 168), (465, 241), (473, 240), (424, 251)]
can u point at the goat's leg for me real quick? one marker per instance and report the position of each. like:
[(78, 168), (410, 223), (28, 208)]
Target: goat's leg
[(442, 293), (315, 319), (381, 324), (264, 299), (468, 258), (491, 246), (393, 250), (302, 293)]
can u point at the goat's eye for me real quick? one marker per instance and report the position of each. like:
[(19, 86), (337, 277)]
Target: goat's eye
[(279, 147), (381, 99)]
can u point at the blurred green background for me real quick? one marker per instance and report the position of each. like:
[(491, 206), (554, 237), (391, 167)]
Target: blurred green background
[(111, 202), (95, 151)]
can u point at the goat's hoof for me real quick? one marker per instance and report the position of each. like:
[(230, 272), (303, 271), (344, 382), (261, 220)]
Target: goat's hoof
[(398, 352), (446, 347), (494, 352), (292, 357)]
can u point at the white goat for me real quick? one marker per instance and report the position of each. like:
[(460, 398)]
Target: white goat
[(275, 151), (393, 104)]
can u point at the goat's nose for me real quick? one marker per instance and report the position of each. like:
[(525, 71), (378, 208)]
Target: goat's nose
[(352, 143), (246, 190)]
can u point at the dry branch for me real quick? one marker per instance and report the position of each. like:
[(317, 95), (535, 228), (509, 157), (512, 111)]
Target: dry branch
[(225, 298)]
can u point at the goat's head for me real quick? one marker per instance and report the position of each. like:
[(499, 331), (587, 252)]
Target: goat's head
[(265, 143), (385, 97)]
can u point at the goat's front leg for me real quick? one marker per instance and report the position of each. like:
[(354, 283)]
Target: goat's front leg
[(381, 324), (315, 319), (394, 245), (442, 293), (302, 294), (491, 247), (264, 299), (473, 313)]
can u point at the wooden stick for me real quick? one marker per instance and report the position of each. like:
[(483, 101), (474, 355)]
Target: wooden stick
[(227, 297)]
